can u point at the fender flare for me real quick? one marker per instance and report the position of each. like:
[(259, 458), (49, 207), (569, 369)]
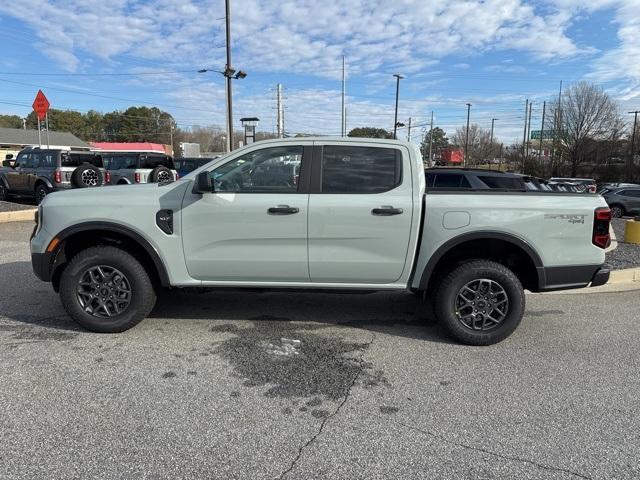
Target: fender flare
[(125, 231), (481, 235), (44, 180), (4, 182)]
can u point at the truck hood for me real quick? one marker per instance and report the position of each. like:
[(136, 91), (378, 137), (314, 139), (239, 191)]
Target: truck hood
[(119, 196)]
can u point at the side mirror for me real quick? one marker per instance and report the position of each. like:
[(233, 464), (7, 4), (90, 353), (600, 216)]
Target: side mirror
[(203, 183), (8, 163)]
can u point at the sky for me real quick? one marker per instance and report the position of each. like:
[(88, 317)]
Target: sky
[(493, 54)]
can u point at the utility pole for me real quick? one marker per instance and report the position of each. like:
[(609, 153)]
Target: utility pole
[(344, 86), (171, 137), (431, 141), (46, 122), (395, 121), (279, 115), (227, 77), (466, 140), (24, 123), (529, 129), (524, 135), (491, 140), (544, 110), (409, 131), (633, 146), (557, 133)]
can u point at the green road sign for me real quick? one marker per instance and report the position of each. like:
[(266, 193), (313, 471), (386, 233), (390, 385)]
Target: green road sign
[(548, 134)]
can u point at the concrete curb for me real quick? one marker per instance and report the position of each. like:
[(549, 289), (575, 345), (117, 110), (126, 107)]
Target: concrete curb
[(17, 215)]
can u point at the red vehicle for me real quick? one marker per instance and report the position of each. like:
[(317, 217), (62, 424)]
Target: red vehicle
[(452, 155)]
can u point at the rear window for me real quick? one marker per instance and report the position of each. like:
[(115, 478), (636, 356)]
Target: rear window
[(450, 180), (76, 159), (119, 162), (153, 162), (504, 183), (347, 169)]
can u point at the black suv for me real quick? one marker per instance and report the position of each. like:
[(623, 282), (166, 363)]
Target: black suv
[(37, 172), (472, 179)]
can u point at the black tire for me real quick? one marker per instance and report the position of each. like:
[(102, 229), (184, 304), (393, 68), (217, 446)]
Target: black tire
[(142, 296), (617, 211), (160, 175), (452, 310), (87, 176), (4, 194), (41, 192)]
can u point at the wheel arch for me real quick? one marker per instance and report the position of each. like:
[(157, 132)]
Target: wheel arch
[(508, 249), (84, 235), (43, 180)]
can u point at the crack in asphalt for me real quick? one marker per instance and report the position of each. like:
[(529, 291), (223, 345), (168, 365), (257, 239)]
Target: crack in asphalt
[(334, 413), (489, 452)]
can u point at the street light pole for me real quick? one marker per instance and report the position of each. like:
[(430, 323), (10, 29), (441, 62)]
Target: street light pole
[(395, 121), (466, 140), (227, 78)]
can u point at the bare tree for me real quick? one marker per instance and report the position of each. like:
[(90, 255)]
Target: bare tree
[(479, 148), (587, 114)]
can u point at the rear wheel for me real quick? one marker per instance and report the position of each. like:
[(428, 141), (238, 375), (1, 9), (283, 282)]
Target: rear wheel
[(480, 302), (41, 192), (107, 290), (617, 211)]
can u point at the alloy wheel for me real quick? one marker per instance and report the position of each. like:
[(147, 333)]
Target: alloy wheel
[(90, 178), (104, 291), (482, 304), (164, 177)]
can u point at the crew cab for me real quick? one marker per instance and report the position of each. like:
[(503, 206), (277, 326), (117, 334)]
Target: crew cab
[(318, 214)]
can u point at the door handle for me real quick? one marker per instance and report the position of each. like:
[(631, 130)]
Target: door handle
[(386, 211), (283, 210)]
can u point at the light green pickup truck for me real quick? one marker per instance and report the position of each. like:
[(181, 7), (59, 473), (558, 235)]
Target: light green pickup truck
[(319, 213)]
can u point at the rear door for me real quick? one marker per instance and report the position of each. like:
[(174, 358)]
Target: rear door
[(360, 213), (631, 200)]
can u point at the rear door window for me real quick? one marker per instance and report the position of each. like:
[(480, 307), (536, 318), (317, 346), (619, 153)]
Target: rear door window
[(76, 159), (33, 160), (48, 160), (630, 193), (351, 169)]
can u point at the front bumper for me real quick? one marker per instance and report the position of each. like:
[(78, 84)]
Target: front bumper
[(41, 264), (575, 276)]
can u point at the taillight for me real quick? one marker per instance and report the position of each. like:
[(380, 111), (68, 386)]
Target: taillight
[(601, 220), (57, 176), (107, 177), (136, 176)]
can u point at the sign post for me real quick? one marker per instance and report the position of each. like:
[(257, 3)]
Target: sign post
[(41, 107)]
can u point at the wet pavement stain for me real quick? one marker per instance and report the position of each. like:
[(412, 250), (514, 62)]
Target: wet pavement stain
[(169, 375), (322, 366), (387, 410)]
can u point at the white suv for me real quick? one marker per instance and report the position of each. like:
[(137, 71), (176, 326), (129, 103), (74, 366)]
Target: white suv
[(132, 167)]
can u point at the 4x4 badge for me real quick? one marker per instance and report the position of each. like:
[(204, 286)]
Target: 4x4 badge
[(571, 218)]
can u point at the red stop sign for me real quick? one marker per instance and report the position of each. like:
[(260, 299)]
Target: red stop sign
[(41, 105)]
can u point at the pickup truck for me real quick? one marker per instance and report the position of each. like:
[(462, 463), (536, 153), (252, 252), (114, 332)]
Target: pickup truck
[(317, 214)]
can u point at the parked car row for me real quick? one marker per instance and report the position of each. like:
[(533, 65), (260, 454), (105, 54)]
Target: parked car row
[(36, 172)]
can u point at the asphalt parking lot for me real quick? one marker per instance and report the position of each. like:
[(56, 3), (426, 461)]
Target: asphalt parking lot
[(228, 384)]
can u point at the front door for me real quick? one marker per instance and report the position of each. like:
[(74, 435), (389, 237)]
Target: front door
[(16, 177), (253, 227), (360, 213)]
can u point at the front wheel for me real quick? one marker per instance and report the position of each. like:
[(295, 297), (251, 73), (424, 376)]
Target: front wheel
[(480, 302), (41, 192), (106, 290)]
